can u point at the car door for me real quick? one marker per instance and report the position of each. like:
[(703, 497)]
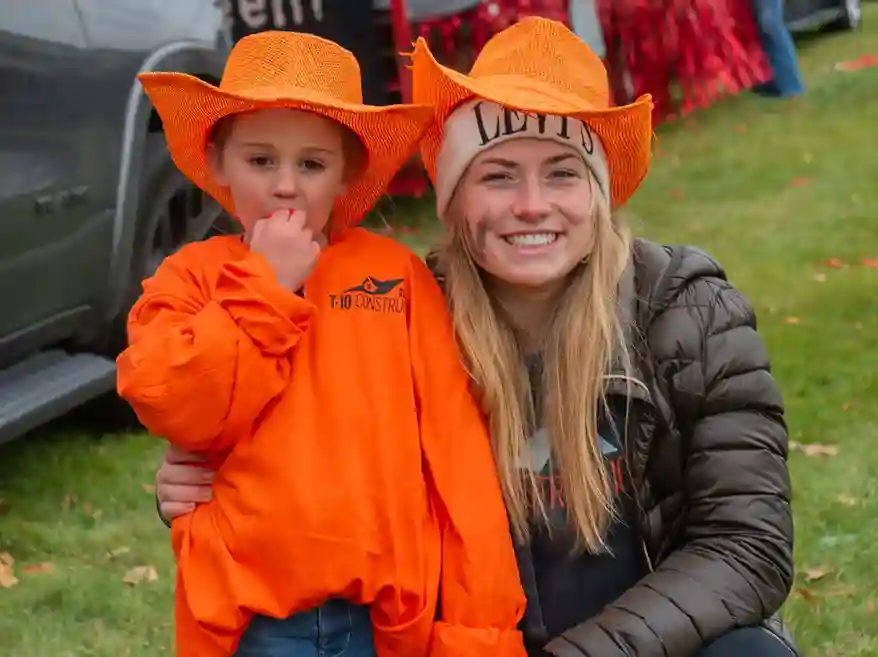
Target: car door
[(43, 183)]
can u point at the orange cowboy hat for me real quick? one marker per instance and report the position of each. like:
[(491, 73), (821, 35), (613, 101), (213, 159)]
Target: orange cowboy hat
[(292, 70), (538, 67)]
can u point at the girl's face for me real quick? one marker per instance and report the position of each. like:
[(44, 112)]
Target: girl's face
[(281, 159), (527, 207)]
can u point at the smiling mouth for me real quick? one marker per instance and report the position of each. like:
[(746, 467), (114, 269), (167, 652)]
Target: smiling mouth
[(531, 239)]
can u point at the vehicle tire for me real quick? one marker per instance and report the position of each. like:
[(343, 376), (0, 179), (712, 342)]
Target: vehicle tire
[(171, 212), (851, 20)]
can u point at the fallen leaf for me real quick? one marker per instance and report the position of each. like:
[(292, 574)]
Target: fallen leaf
[(148, 488), (843, 591), (741, 127), (870, 606), (140, 575), (4, 506), (792, 320), (871, 263), (847, 500), (807, 595), (801, 181), (813, 449), (677, 192), (36, 568), (847, 406), (835, 263), (816, 449), (7, 572), (118, 552), (815, 574), (807, 158), (865, 61), (819, 276)]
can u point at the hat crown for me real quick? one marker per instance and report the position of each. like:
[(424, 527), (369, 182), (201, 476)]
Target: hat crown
[(289, 60), (545, 50)]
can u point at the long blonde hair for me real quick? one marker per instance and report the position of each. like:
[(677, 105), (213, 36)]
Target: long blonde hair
[(583, 338)]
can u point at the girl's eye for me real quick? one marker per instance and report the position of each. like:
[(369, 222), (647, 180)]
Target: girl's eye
[(564, 173), (260, 160), (494, 177), (312, 165)]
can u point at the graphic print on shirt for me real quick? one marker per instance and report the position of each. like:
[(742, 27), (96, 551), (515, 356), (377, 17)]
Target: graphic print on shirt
[(372, 294), (539, 461)]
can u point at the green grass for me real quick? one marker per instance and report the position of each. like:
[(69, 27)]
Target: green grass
[(773, 189)]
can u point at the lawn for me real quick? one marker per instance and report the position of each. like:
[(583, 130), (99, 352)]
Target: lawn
[(785, 194)]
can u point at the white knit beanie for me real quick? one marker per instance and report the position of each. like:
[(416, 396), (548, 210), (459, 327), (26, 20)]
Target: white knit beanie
[(478, 125)]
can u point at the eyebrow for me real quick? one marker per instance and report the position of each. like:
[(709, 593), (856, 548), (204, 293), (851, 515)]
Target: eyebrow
[(510, 164), (557, 159), (268, 146)]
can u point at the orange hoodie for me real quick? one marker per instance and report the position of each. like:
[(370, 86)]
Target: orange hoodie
[(355, 462)]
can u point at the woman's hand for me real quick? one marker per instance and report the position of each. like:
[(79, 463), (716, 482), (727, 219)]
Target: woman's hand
[(181, 482)]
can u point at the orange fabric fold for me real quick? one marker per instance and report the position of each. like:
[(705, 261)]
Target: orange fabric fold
[(355, 462)]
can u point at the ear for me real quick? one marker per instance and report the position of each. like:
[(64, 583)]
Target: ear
[(215, 161)]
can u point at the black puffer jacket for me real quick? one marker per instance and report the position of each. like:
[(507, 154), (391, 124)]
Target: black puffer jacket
[(707, 452)]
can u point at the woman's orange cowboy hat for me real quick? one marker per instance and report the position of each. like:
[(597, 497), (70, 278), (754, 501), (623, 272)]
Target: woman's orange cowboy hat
[(298, 71), (538, 66)]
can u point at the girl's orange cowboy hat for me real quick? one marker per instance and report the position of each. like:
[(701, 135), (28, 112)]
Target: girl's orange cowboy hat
[(538, 66), (299, 71)]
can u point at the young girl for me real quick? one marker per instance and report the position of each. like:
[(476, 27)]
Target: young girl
[(385, 496)]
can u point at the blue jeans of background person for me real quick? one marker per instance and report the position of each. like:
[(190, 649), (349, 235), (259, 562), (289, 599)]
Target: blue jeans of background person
[(747, 642), (336, 628), (777, 43)]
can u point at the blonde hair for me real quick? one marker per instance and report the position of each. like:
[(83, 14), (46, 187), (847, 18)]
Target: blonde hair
[(584, 337)]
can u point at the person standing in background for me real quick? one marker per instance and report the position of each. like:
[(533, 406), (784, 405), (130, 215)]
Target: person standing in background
[(780, 50), (586, 24)]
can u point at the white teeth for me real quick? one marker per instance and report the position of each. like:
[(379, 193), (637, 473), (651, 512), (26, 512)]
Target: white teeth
[(531, 239)]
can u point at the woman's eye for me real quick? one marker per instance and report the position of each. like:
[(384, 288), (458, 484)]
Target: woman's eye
[(564, 173), (493, 177)]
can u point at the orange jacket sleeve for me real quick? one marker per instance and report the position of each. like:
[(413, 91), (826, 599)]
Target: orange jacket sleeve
[(481, 597), (208, 351)]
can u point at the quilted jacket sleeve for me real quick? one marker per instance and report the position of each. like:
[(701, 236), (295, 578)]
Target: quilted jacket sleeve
[(733, 566), (481, 597), (207, 352)]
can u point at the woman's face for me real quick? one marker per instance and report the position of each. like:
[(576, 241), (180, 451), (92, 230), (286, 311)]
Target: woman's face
[(527, 205)]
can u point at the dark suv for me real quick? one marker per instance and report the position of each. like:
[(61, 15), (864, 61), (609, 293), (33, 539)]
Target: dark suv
[(90, 202)]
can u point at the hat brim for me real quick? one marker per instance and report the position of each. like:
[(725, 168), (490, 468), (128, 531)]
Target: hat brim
[(190, 107), (625, 131)]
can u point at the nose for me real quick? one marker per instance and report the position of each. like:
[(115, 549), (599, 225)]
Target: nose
[(531, 201), (286, 183)]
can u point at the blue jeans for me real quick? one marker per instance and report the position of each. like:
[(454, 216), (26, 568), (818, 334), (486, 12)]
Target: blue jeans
[(777, 43), (334, 629)]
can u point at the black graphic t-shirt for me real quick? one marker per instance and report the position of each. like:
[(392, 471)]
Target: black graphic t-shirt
[(566, 588)]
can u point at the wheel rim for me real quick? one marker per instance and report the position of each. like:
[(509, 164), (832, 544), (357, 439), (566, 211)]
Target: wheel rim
[(183, 214)]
